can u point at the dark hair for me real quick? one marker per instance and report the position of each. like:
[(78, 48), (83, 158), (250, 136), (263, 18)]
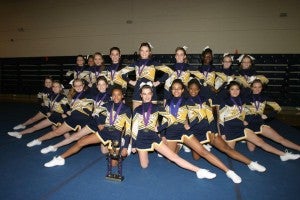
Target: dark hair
[(246, 56), (233, 83), (204, 52), (90, 56), (80, 56), (146, 87), (114, 49), (145, 44), (102, 78), (256, 81), (194, 81), (117, 87), (179, 81), (184, 51)]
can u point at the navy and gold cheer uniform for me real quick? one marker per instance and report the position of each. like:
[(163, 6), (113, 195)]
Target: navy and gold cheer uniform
[(247, 76), (82, 106), (256, 106), (145, 71), (58, 105), (143, 131), (176, 131), (232, 115), (201, 119), (44, 99), (181, 71), (121, 126)]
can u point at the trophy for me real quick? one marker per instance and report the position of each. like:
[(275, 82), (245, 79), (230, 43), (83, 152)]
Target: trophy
[(114, 155), (216, 114)]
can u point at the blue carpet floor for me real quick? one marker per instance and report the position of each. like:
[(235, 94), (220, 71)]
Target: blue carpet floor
[(83, 176)]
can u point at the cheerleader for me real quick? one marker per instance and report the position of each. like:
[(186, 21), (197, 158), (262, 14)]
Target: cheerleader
[(115, 71), (90, 61), (145, 69), (247, 73), (145, 137), (114, 118), (177, 132), (99, 99), (234, 126), (206, 72), (79, 72), (203, 126), (44, 108), (179, 71), (58, 107), (80, 114), (258, 103), (226, 73), (96, 70)]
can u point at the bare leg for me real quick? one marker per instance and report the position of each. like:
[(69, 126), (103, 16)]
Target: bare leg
[(33, 119), (75, 136), (273, 135), (89, 139), (194, 144), (250, 146), (144, 160), (58, 132), (195, 155), (104, 149), (172, 145), (253, 138), (43, 124), (168, 153), (218, 142)]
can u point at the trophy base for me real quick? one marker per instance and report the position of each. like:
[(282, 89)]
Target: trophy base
[(114, 177)]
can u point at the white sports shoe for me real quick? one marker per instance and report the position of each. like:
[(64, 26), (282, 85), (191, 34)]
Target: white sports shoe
[(20, 126), (254, 166), (204, 173), (15, 134), (186, 149), (289, 156), (34, 143), (233, 176), (207, 147), (48, 149), (56, 161)]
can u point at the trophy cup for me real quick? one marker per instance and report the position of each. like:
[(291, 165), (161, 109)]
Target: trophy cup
[(114, 155), (216, 114)]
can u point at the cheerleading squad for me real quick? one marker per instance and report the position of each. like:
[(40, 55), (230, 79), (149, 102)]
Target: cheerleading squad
[(202, 108)]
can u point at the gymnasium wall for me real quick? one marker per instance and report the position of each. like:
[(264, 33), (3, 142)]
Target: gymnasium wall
[(60, 28)]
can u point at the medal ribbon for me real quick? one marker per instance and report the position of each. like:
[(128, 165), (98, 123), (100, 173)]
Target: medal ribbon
[(175, 107), (240, 106), (111, 118), (146, 115)]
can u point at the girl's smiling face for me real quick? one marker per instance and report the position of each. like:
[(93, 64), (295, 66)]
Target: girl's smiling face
[(177, 89), (193, 90), (234, 91)]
